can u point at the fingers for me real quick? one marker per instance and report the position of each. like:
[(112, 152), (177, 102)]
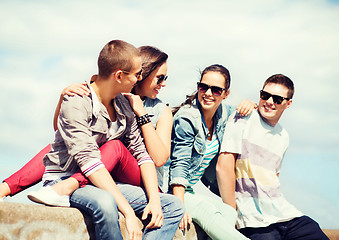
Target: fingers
[(77, 88), (145, 213), (245, 108), (157, 217), (135, 235), (185, 221), (156, 221)]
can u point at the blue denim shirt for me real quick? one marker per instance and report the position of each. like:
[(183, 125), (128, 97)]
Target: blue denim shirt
[(189, 138)]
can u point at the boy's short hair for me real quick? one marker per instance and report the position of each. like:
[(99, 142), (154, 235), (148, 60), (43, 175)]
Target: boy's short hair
[(282, 80), (116, 55)]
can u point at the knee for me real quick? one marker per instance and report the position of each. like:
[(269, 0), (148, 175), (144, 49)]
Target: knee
[(105, 207), (114, 144), (173, 206)]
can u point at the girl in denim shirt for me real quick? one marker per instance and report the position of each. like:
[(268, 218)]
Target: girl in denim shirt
[(198, 129)]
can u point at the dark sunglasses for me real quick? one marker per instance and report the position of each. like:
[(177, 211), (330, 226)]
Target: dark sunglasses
[(216, 91), (276, 98), (161, 78), (137, 75)]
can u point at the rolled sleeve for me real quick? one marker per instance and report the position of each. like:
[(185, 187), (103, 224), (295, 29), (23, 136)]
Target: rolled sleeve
[(75, 130), (182, 147)]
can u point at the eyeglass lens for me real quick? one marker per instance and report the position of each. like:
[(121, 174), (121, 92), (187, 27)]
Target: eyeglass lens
[(161, 79), (276, 98), (216, 91)]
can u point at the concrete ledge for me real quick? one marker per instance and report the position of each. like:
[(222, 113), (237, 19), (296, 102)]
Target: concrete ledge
[(32, 221)]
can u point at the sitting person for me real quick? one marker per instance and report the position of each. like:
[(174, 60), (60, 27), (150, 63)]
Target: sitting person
[(198, 129), (248, 169), (87, 122)]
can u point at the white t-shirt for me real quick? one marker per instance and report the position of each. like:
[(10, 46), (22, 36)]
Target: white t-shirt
[(260, 148)]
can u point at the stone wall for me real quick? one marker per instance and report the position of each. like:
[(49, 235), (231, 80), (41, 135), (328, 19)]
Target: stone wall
[(32, 222)]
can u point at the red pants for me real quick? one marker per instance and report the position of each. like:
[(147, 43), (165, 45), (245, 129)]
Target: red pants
[(114, 155)]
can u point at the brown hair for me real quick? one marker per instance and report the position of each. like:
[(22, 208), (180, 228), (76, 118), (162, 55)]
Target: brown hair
[(116, 55), (282, 80)]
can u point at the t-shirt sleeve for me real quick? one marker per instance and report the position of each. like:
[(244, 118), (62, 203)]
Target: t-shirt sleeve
[(233, 135)]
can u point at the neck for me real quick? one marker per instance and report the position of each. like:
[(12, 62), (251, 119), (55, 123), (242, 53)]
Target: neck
[(208, 116), (271, 123), (138, 92), (105, 90)]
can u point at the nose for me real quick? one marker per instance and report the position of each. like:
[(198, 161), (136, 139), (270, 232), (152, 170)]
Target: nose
[(270, 100), (162, 84), (209, 92)]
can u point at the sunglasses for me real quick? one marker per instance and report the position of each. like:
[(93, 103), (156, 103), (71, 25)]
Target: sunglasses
[(137, 75), (276, 98), (216, 91), (161, 78)]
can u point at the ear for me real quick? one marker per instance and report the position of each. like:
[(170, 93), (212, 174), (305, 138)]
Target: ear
[(117, 76), (288, 104), (226, 94)]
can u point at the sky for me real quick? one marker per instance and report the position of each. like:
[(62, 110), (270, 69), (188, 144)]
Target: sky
[(48, 45)]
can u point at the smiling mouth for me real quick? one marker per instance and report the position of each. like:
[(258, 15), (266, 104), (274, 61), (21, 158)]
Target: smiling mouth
[(208, 100), (268, 109)]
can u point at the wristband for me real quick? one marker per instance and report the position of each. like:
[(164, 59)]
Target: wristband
[(143, 119)]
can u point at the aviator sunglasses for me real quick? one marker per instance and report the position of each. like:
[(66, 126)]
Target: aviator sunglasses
[(276, 98), (161, 78), (216, 91)]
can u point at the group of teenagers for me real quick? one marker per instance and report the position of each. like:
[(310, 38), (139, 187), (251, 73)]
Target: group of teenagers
[(117, 147)]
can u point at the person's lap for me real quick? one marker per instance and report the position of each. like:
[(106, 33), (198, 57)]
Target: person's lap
[(300, 228)]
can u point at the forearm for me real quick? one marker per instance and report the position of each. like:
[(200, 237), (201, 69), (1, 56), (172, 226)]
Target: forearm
[(149, 178), (155, 145), (102, 179), (56, 113), (158, 141), (226, 178), (179, 191)]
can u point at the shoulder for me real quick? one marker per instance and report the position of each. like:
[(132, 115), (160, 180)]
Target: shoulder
[(188, 111), (124, 106), (77, 102), (155, 106), (281, 130), (153, 102)]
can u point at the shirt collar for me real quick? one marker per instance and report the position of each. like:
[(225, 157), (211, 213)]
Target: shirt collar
[(95, 100)]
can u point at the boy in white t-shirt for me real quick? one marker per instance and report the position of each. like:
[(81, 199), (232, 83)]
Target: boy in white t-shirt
[(248, 169)]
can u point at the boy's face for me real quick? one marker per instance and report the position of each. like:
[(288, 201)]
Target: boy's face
[(270, 110), (129, 79)]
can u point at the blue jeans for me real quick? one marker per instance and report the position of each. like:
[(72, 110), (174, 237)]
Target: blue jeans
[(301, 228), (101, 206)]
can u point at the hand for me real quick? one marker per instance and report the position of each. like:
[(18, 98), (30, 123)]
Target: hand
[(136, 103), (246, 107), (76, 88), (157, 215), (185, 221), (133, 228)]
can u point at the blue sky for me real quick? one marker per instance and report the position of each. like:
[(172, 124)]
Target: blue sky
[(47, 45)]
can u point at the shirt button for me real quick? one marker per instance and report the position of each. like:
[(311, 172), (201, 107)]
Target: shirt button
[(200, 150)]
